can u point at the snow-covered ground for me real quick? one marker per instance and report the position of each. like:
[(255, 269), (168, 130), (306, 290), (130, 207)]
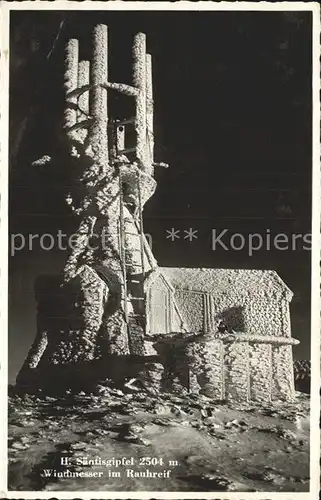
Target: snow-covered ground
[(164, 443)]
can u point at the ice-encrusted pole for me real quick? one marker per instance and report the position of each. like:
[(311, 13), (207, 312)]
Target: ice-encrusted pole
[(150, 111), (70, 84), (83, 99), (98, 139), (139, 81)]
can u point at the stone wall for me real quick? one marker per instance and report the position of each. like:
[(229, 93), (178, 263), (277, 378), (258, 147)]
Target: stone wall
[(261, 371), (206, 368), (249, 301), (253, 364), (255, 368), (283, 376), (237, 371)]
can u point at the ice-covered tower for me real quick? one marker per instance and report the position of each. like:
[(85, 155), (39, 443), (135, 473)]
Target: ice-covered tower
[(116, 181), (100, 298), (113, 312)]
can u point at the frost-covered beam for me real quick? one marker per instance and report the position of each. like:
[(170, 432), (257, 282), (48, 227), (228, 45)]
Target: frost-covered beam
[(139, 81), (83, 79), (255, 339), (98, 139), (119, 87), (71, 82), (149, 109), (233, 338), (83, 99)]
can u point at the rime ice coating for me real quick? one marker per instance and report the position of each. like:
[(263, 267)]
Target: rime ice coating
[(71, 83), (139, 80), (113, 312), (98, 96)]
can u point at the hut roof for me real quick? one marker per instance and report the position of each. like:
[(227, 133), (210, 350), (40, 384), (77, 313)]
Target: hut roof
[(219, 280)]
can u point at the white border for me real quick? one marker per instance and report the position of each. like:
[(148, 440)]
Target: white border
[(313, 7)]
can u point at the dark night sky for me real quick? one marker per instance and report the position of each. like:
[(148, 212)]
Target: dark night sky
[(232, 97)]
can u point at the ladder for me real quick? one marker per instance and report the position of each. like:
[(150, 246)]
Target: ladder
[(133, 283), (133, 287)]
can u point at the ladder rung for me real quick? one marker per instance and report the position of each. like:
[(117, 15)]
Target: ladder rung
[(123, 122), (136, 315), (127, 150), (134, 281), (161, 164), (136, 298)]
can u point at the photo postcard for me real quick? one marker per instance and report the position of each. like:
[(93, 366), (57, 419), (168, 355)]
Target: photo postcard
[(160, 223)]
